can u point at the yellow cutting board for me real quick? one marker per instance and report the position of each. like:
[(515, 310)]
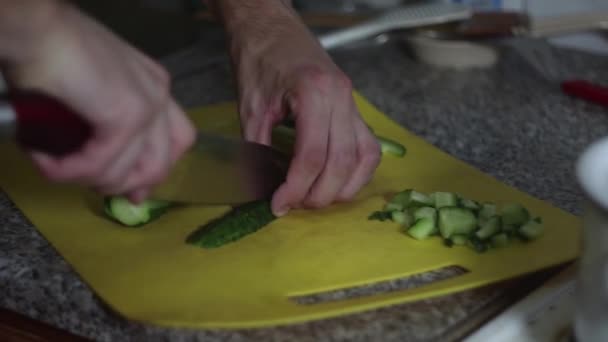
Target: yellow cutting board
[(149, 274)]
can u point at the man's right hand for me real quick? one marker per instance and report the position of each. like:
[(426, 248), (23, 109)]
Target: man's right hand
[(139, 129)]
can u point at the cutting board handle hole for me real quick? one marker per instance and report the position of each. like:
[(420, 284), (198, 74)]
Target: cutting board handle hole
[(392, 285)]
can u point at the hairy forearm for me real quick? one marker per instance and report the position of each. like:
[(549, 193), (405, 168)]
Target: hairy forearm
[(23, 24)]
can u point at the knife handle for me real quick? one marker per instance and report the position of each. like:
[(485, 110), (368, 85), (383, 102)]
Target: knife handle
[(586, 90), (45, 124)]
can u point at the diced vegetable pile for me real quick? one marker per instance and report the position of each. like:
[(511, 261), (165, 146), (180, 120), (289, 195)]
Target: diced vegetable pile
[(460, 221)]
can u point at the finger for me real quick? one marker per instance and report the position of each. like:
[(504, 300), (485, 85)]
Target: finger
[(251, 116), (181, 131), (310, 149), (342, 155), (113, 180), (153, 164), (368, 159)]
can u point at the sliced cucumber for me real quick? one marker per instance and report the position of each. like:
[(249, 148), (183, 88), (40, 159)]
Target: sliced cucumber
[(133, 215), (455, 220), (487, 210), (426, 212), (514, 215), (410, 198), (459, 240), (489, 228), (531, 230), (388, 146), (390, 206), (399, 217), (499, 240), (380, 216), (444, 199), (422, 229), (469, 204)]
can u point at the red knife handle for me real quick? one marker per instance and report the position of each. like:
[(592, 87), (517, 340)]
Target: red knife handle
[(45, 124), (586, 90)]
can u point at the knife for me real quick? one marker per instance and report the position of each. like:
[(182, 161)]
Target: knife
[(216, 170)]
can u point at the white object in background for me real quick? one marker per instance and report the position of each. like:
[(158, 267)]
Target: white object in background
[(592, 308), (453, 54), (398, 18), (544, 315)]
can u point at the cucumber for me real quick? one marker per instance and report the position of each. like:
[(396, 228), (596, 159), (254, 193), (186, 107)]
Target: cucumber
[(499, 240), (459, 240), (489, 228), (514, 215), (399, 217), (393, 206), (469, 204), (531, 230), (121, 210), (388, 146), (422, 229), (426, 212), (478, 245), (486, 211), (410, 198), (444, 199), (234, 225), (455, 220)]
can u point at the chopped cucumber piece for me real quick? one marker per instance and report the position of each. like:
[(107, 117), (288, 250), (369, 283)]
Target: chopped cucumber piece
[(390, 206), (469, 204), (459, 239), (499, 240), (380, 215), (422, 229), (454, 220), (410, 198), (426, 212), (388, 146), (134, 215), (487, 210), (399, 217), (531, 230), (489, 228), (444, 199), (514, 215)]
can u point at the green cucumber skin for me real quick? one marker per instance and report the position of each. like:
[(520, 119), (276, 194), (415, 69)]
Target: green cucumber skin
[(155, 210), (234, 225)]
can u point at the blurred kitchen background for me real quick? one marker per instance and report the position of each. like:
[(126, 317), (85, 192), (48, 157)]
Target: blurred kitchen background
[(160, 27)]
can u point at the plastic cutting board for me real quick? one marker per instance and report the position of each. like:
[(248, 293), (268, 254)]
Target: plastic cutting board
[(150, 275)]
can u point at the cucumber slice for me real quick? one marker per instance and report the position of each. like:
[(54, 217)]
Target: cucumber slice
[(399, 217), (422, 229), (459, 240), (455, 220), (499, 240), (390, 206), (388, 146), (444, 199), (410, 198), (123, 211), (531, 230), (487, 210), (469, 204), (489, 228), (476, 244), (514, 215), (426, 212)]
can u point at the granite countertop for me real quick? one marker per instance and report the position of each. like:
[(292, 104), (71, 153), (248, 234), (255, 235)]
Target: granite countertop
[(507, 121)]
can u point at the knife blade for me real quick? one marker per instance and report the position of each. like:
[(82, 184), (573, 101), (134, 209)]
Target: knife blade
[(222, 170), (215, 170)]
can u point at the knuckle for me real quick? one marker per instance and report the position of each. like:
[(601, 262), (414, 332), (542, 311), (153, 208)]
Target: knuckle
[(318, 202), (313, 160), (317, 77), (370, 154)]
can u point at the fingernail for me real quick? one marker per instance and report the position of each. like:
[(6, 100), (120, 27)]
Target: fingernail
[(282, 211)]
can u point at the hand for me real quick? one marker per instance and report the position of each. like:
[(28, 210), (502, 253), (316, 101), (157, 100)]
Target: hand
[(282, 70), (139, 130)]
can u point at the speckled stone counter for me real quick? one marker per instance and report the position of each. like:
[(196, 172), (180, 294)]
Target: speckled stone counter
[(507, 121)]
